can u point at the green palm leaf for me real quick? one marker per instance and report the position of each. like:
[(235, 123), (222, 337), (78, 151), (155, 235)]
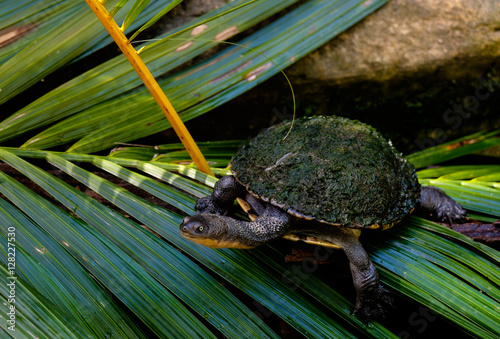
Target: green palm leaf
[(162, 262), (97, 85), (136, 9), (238, 267), (454, 149), (53, 42), (55, 278), (138, 111), (31, 308), (414, 259), (422, 273), (467, 185), (111, 263)]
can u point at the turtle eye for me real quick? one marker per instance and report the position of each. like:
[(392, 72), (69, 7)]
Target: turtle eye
[(200, 229)]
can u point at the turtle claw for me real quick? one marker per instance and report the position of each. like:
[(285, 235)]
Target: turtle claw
[(207, 205), (433, 200), (373, 304), (450, 211)]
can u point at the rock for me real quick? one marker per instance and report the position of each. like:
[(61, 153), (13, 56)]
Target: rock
[(401, 69), (409, 39)]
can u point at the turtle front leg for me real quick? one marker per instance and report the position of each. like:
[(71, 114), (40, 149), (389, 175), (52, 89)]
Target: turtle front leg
[(221, 200), (434, 200), (372, 300)]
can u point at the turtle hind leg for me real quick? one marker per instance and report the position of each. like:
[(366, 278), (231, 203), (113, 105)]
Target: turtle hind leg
[(372, 301), (226, 190), (434, 200)]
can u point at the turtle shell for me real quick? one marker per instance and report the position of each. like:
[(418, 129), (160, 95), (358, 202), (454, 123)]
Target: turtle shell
[(331, 169)]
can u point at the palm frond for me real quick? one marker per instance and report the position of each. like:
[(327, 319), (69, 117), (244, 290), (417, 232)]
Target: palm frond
[(445, 275), (129, 281), (473, 186), (50, 278), (129, 247), (216, 79), (225, 76), (30, 308), (217, 153), (52, 40), (147, 78), (137, 8), (469, 144), (111, 263), (96, 86), (452, 275)]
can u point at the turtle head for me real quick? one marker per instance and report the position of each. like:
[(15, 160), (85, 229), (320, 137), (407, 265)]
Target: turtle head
[(212, 230)]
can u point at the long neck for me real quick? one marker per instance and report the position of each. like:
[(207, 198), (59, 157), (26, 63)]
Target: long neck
[(258, 232)]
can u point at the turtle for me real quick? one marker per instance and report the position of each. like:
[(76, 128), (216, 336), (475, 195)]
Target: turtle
[(323, 180)]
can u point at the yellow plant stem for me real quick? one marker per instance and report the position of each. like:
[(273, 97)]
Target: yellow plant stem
[(151, 84)]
